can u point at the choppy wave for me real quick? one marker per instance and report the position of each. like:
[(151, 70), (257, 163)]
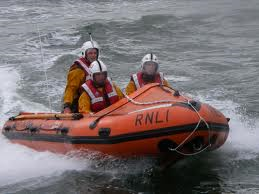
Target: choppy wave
[(206, 49)]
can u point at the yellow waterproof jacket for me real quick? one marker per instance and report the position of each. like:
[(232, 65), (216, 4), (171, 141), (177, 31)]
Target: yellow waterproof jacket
[(131, 87), (84, 103), (75, 78)]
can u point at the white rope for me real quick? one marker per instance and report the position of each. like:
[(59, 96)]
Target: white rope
[(153, 102), (193, 131), (193, 154), (45, 70)]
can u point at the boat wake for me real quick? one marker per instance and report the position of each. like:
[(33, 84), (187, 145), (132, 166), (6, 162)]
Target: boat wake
[(242, 142), (11, 101)]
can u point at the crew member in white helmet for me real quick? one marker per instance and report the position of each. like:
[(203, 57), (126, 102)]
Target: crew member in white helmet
[(148, 74), (78, 73), (99, 91)]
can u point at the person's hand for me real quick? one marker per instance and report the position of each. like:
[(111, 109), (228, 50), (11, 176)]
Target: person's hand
[(67, 110)]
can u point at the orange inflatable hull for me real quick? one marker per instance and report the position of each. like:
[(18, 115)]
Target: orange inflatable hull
[(155, 120)]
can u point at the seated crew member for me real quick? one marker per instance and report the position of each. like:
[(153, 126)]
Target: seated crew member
[(148, 74), (99, 91), (78, 74)]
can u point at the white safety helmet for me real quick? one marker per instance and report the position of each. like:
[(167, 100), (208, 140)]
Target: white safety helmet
[(97, 67), (147, 58), (88, 45)]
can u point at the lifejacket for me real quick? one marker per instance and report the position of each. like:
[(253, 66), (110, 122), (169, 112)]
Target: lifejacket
[(100, 100), (137, 78), (83, 64)]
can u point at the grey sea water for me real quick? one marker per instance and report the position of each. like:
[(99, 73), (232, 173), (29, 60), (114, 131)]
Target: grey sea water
[(207, 50)]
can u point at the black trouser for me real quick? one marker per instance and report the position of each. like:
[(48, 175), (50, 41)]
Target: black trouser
[(74, 105)]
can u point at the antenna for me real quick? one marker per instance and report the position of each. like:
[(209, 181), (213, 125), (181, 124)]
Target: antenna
[(91, 39)]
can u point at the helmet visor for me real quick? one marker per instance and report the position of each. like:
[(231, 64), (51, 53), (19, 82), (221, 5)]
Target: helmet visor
[(100, 78), (150, 67)]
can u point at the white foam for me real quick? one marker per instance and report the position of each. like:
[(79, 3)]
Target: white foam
[(244, 131), (12, 103), (19, 163), (8, 80), (177, 78)]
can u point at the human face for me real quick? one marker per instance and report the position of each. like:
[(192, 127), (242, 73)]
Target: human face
[(100, 78), (150, 68), (91, 54)]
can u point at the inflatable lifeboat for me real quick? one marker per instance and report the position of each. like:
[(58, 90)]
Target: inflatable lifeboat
[(152, 121)]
